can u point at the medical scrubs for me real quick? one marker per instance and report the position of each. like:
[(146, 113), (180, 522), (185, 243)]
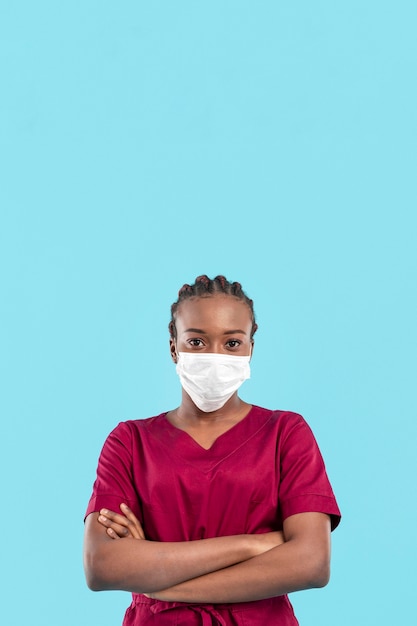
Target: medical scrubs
[(262, 470)]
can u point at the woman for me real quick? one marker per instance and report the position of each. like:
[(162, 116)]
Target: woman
[(213, 512)]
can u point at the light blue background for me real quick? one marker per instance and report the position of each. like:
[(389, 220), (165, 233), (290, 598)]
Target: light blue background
[(145, 143)]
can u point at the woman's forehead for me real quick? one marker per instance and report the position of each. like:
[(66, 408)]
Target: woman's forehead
[(218, 309)]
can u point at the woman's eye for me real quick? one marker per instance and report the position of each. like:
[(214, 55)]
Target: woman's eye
[(233, 343), (196, 343)]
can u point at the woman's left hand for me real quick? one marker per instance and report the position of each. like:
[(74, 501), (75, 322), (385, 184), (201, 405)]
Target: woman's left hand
[(121, 526)]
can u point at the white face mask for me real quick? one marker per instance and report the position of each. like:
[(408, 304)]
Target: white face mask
[(211, 379)]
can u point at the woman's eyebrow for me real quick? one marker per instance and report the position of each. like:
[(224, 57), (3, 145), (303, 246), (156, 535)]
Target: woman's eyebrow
[(203, 332)]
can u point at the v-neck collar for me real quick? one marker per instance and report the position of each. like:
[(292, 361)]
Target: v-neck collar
[(183, 445)]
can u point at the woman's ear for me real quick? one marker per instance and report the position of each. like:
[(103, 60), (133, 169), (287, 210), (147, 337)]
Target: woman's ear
[(173, 350)]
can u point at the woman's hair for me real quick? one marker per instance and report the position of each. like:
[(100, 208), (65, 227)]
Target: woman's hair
[(204, 287)]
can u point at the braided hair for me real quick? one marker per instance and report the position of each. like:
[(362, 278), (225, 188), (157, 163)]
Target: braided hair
[(204, 287)]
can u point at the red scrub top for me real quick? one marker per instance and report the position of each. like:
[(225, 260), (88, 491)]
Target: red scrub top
[(262, 470)]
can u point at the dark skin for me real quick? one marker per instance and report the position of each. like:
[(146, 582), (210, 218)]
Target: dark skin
[(224, 569), (216, 317)]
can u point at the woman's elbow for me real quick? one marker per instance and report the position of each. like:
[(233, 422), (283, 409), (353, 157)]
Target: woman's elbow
[(95, 573), (322, 579), (94, 582), (319, 573)]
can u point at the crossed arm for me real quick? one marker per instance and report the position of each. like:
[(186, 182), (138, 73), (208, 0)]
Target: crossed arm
[(239, 568)]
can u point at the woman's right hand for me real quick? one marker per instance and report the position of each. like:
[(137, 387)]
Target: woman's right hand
[(127, 525), (121, 526)]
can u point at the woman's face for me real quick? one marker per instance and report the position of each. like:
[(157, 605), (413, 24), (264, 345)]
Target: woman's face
[(218, 324)]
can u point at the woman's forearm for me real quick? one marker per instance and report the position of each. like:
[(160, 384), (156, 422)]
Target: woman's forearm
[(300, 563), (261, 577), (144, 566)]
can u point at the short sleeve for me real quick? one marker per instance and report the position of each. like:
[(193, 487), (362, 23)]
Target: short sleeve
[(114, 481), (304, 485)]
